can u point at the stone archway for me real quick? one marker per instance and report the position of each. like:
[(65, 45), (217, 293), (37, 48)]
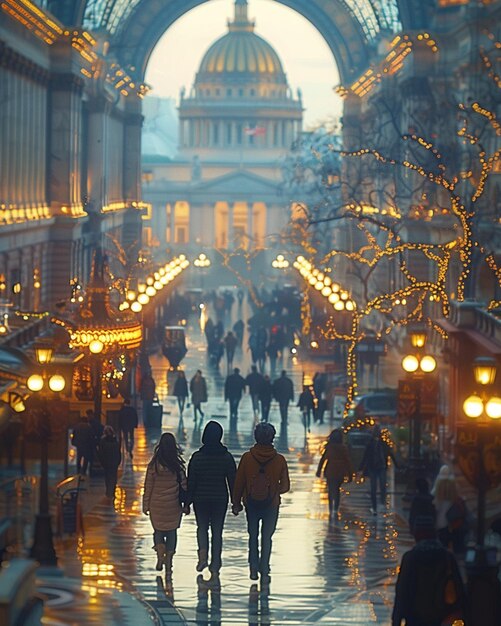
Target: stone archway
[(337, 25)]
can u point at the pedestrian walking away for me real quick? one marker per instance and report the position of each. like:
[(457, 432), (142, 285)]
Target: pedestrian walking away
[(234, 387), (374, 465), (238, 329), (230, 344), (306, 404), (110, 457), (336, 465), (164, 485), (422, 514), (147, 392), (452, 514), (211, 477), (283, 392), (84, 441), (181, 391), (254, 381), (429, 590), (198, 389), (265, 397), (127, 423), (262, 477)]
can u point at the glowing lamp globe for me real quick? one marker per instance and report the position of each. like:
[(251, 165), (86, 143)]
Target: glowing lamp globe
[(57, 383), (150, 291), (428, 364), (410, 363), (473, 406), (44, 354), (143, 298), (493, 408), (136, 307), (96, 346), (339, 305), (35, 382)]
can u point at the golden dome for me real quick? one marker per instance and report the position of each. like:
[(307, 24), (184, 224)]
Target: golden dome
[(241, 52)]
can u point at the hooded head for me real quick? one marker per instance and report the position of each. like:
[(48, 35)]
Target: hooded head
[(108, 431), (213, 433)]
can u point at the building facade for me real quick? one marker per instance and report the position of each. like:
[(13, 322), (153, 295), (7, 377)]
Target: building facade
[(223, 189)]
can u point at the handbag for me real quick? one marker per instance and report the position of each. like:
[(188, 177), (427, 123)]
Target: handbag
[(454, 618), (456, 514)]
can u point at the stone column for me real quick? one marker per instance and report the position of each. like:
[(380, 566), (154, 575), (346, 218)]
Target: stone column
[(132, 151), (65, 147)]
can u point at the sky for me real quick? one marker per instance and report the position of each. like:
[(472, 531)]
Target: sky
[(306, 58)]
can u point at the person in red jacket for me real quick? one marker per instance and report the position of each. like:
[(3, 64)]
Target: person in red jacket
[(262, 476)]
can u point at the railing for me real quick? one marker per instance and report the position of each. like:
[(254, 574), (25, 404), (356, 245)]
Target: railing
[(472, 316)]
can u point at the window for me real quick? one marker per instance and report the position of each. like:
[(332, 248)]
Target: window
[(252, 92), (228, 134), (239, 134), (240, 92), (229, 92), (215, 135), (218, 91), (207, 92)]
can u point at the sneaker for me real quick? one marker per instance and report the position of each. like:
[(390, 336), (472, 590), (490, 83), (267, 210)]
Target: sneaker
[(254, 574)]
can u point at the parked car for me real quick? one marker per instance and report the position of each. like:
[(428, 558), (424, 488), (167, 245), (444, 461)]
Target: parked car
[(381, 406)]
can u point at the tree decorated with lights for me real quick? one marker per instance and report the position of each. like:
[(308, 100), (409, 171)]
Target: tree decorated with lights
[(400, 190)]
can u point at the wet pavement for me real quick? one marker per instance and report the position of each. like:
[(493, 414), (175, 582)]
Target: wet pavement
[(324, 571), (339, 571)]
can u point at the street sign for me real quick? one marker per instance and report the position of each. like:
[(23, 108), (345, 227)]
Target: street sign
[(407, 399), (428, 396), (476, 444)]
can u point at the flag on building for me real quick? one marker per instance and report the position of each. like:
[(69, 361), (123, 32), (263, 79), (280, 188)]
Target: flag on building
[(255, 131)]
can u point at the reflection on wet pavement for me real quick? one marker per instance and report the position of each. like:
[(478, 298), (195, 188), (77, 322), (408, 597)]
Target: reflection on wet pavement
[(339, 571)]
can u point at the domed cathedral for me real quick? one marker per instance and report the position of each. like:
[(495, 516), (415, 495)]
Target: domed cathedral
[(236, 124)]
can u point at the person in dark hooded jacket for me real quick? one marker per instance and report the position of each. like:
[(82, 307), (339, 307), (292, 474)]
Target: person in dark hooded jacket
[(211, 475), (110, 457)]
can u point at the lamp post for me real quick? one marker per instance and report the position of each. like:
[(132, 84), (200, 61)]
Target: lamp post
[(479, 450), (43, 546), (202, 261), (417, 366)]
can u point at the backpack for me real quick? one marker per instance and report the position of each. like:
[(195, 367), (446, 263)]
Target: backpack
[(434, 591), (260, 493)]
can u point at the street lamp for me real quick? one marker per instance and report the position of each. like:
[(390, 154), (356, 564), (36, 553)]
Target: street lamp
[(280, 263), (42, 549), (417, 366), (478, 449), (202, 261)]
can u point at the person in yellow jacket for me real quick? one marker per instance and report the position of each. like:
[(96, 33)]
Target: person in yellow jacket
[(262, 476)]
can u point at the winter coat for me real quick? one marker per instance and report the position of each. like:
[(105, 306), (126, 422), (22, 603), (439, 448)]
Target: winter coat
[(147, 389), (254, 381), (376, 456), (83, 439), (161, 497), (127, 418), (230, 343), (108, 452), (211, 474), (181, 387), (283, 390), (419, 591), (276, 471), (336, 463), (266, 391), (198, 388), (234, 386), (422, 514), (306, 400)]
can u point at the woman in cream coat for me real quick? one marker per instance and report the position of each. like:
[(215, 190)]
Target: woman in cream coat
[(165, 479)]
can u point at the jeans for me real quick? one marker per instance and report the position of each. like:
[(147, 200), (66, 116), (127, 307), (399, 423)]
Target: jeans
[(378, 476), (168, 537), (128, 436), (234, 402), (180, 403), (334, 493), (268, 517), (83, 460), (255, 402), (211, 515), (306, 414), (284, 408), (197, 407), (110, 482), (265, 410)]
